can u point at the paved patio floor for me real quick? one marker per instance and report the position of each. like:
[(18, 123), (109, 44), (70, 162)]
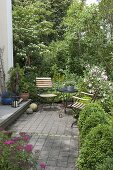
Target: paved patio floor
[(54, 139)]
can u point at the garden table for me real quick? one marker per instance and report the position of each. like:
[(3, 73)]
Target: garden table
[(66, 94)]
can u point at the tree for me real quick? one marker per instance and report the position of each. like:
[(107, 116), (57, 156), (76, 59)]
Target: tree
[(31, 29)]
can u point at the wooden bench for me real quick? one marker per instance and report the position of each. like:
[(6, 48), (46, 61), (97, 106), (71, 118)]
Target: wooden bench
[(45, 83)]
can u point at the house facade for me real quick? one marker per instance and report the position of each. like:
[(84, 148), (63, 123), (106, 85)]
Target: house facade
[(6, 38)]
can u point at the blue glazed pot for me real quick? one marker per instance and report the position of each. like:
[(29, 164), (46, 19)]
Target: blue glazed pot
[(6, 101)]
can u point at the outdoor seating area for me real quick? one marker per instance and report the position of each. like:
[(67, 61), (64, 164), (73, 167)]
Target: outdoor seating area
[(55, 126)]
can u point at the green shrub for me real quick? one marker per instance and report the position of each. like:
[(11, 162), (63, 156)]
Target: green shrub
[(92, 121), (108, 164), (97, 146), (89, 109)]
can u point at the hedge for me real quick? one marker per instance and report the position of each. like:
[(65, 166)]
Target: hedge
[(98, 117), (97, 146), (91, 108)]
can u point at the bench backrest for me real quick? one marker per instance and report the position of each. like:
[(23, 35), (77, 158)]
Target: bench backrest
[(43, 82)]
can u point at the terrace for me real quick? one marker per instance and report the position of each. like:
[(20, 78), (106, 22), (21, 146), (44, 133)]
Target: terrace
[(53, 137), (69, 41)]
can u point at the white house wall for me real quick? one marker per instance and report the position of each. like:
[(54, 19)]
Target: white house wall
[(6, 39)]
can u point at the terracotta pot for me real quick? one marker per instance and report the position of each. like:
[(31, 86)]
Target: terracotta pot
[(24, 96)]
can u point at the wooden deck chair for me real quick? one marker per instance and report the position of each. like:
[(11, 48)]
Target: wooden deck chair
[(79, 103), (45, 83)]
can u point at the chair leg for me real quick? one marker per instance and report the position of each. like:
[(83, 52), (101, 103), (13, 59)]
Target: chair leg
[(76, 116), (60, 115), (74, 123)]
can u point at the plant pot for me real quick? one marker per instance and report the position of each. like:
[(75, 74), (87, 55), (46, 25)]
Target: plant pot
[(6, 101), (70, 88), (24, 96)]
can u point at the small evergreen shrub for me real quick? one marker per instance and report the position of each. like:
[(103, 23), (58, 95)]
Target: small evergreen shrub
[(108, 164), (89, 109), (92, 121), (97, 146)]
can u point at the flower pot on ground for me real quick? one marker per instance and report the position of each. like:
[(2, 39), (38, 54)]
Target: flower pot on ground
[(24, 91), (6, 98), (24, 96), (16, 76)]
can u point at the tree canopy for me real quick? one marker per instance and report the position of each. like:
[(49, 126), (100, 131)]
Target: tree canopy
[(65, 34)]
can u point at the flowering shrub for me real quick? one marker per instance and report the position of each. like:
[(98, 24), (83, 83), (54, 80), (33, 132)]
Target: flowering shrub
[(96, 81), (15, 152)]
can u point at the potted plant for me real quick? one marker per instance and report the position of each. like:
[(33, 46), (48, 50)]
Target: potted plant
[(69, 85), (17, 82), (16, 74), (24, 91), (6, 98)]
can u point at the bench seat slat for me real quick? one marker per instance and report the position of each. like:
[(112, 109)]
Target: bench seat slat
[(43, 82), (77, 105)]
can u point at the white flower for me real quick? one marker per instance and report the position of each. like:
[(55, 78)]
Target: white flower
[(102, 100), (104, 94), (90, 85)]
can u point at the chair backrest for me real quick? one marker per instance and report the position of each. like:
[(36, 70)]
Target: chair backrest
[(88, 94), (43, 82)]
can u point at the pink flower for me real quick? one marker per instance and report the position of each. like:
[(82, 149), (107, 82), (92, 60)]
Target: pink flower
[(16, 138), (43, 165), (9, 142), (28, 148), (1, 129), (26, 138), (20, 148), (22, 133)]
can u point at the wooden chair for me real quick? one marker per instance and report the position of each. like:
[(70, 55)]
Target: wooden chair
[(45, 83), (79, 103)]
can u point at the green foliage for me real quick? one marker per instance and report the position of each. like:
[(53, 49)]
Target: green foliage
[(96, 147), (94, 119), (32, 29), (82, 24), (59, 53), (35, 25), (59, 10), (29, 80), (89, 109), (87, 38), (22, 80), (107, 164), (16, 75)]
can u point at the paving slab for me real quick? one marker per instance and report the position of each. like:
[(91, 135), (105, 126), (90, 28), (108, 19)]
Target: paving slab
[(53, 139)]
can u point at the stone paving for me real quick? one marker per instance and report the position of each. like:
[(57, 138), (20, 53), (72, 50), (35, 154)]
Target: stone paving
[(52, 137)]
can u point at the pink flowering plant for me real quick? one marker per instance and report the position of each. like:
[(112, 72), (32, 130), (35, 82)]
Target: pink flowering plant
[(16, 152)]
